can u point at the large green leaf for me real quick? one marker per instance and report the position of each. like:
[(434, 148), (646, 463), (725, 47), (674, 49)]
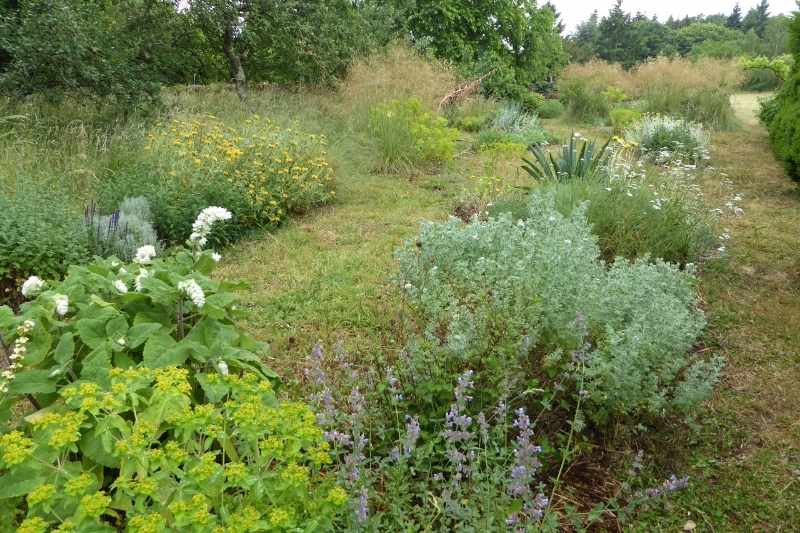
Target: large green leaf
[(159, 351), (20, 481), (34, 381), (92, 331), (65, 349), (38, 346), (139, 333), (97, 364)]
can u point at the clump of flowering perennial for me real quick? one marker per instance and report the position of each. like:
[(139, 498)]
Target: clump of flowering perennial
[(32, 286), (145, 254), (14, 361), (523, 473), (204, 223), (193, 291)]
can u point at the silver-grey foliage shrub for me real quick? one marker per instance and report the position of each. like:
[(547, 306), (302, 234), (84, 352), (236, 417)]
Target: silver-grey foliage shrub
[(124, 231), (622, 334)]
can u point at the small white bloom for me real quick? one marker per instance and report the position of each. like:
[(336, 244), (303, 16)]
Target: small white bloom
[(123, 271), (195, 293), (121, 341), (216, 257), (145, 254), (32, 286), (223, 368), (120, 286), (62, 304)]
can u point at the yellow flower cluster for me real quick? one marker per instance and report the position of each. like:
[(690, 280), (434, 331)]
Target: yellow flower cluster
[(278, 170), (15, 448), (63, 428)]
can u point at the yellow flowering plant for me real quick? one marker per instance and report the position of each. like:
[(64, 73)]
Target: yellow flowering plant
[(277, 171)]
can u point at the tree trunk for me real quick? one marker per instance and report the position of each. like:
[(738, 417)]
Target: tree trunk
[(234, 62)]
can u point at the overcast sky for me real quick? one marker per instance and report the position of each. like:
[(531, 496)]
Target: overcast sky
[(575, 11)]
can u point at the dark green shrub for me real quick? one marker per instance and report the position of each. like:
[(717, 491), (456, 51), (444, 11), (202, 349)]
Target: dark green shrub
[(39, 234), (550, 109), (782, 115), (531, 102)]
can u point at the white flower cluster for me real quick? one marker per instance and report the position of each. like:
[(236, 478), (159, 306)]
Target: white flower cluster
[(145, 254), (120, 286), (195, 293), (203, 224), (62, 304), (15, 359), (32, 286)]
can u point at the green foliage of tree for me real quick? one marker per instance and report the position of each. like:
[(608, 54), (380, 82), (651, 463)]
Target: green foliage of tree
[(516, 39), (82, 46)]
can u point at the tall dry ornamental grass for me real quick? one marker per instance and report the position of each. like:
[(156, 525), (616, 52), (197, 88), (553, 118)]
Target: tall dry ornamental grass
[(398, 73)]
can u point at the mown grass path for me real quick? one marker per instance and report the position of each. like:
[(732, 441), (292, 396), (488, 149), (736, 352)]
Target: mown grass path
[(745, 463), (325, 277)]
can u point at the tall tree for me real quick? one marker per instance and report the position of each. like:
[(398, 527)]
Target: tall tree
[(757, 18), (615, 36), (735, 19)]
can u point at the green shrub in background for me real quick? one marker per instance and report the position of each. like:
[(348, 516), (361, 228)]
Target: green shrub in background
[(663, 139), (531, 102), (781, 114), (40, 234), (531, 300), (137, 404), (261, 171), (584, 104), (614, 95), (621, 118), (408, 136), (473, 114), (550, 109), (124, 231)]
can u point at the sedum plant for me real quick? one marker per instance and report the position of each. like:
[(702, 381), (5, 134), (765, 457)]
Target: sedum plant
[(533, 296), (130, 400)]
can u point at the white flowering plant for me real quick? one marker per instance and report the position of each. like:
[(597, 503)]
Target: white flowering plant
[(133, 401)]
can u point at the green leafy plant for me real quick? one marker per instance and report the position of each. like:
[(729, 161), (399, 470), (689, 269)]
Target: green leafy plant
[(130, 399), (408, 136), (614, 95), (584, 104), (39, 233), (578, 160)]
